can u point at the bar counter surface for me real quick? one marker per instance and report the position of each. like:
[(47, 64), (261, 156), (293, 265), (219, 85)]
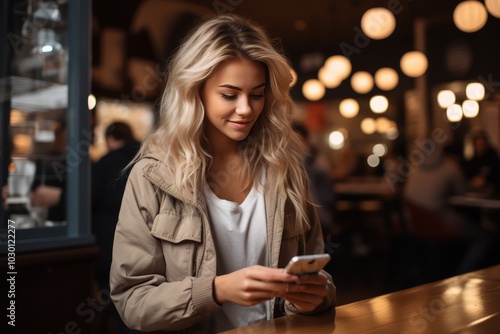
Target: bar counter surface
[(468, 303)]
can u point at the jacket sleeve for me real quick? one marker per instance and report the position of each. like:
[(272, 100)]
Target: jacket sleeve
[(314, 244), (144, 298)]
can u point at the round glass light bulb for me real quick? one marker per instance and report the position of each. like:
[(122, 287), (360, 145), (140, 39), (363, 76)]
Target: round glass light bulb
[(368, 126), (392, 133), (470, 108), (362, 82), (470, 16), (373, 160), (313, 90), (386, 78), (454, 113), (336, 140), (340, 65), (378, 23), (493, 6), (329, 78), (414, 64), (379, 104), (383, 124), (379, 150), (349, 108), (475, 91), (446, 98)]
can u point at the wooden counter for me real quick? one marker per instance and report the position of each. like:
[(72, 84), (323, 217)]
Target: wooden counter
[(468, 303)]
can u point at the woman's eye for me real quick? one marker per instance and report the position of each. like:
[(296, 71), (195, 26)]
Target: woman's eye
[(228, 97), (257, 96)]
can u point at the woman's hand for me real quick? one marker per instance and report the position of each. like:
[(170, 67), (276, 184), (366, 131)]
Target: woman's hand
[(308, 292), (46, 196), (253, 285)]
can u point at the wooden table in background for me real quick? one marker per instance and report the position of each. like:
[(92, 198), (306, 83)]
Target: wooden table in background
[(468, 303)]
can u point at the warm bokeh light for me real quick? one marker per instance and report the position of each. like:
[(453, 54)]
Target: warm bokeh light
[(373, 160), (92, 101), (454, 113), (470, 16), (386, 78), (383, 124), (414, 64), (340, 65), (344, 132), (379, 104), (313, 90), (362, 82), (446, 98), (336, 140), (378, 23), (329, 78), (475, 91), (379, 150), (392, 132), (470, 108), (349, 108), (368, 126), (493, 7)]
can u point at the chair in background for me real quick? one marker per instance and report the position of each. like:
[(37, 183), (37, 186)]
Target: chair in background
[(430, 248)]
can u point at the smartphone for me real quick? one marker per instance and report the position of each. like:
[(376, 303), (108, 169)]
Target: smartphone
[(307, 264)]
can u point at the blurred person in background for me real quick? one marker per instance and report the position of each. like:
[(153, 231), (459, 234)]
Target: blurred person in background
[(483, 169), (430, 187), (321, 183), (108, 185)]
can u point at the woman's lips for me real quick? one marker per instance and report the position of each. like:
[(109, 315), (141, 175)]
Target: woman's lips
[(240, 125)]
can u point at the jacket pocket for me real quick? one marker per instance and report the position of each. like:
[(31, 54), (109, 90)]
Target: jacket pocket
[(179, 236)]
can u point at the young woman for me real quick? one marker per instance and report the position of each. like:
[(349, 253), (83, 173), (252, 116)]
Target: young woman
[(217, 201)]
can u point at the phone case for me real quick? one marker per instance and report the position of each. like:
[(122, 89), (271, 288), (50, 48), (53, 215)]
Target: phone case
[(307, 264)]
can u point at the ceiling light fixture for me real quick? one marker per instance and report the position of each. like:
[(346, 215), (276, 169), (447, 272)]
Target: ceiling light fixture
[(362, 82), (470, 16), (313, 90), (414, 64), (386, 78), (378, 23)]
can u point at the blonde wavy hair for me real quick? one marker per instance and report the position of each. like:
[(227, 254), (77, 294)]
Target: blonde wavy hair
[(271, 144)]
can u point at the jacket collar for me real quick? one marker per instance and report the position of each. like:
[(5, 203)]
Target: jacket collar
[(162, 175)]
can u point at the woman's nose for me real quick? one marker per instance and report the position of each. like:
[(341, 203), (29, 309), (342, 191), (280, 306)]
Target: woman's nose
[(243, 106)]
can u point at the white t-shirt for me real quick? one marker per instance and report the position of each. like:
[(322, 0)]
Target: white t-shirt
[(240, 236)]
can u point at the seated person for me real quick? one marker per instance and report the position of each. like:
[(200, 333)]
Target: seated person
[(483, 170), (430, 186)]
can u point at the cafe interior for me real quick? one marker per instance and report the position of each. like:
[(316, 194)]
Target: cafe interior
[(399, 101)]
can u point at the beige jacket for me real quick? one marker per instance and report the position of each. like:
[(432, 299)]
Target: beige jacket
[(164, 262)]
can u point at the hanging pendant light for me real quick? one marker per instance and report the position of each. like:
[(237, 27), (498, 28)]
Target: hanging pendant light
[(470, 16)]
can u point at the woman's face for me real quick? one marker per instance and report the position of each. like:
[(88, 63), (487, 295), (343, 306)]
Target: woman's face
[(233, 98)]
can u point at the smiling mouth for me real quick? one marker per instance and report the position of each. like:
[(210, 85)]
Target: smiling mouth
[(240, 124)]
